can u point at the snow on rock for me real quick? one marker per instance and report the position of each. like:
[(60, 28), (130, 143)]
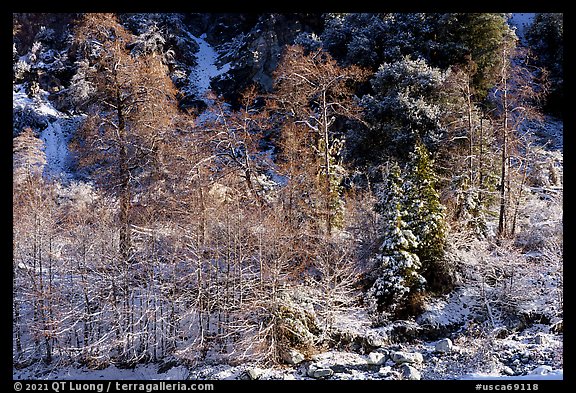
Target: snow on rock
[(522, 350), (40, 103), (444, 345), (388, 372), (514, 355), (542, 370), (177, 373), (292, 356), (507, 370), (517, 357), (254, 373), (319, 372), (400, 357), (377, 358), (218, 372), (345, 365), (409, 372), (335, 358), (26, 112), (376, 338), (351, 324)]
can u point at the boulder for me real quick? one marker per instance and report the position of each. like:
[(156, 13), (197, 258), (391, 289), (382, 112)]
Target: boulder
[(409, 372), (310, 369), (341, 362), (501, 332), (444, 345), (166, 365), (254, 373), (377, 358), (315, 372), (540, 339), (557, 328), (292, 356), (507, 370), (400, 357), (376, 339), (541, 370), (322, 373), (385, 371), (319, 371)]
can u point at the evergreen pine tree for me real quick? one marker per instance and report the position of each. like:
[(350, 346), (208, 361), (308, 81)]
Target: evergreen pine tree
[(398, 265), (483, 34), (425, 215), (545, 37), (404, 108)]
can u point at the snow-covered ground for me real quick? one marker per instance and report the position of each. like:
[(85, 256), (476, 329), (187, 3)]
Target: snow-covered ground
[(534, 353), (539, 373), (141, 372), (338, 364)]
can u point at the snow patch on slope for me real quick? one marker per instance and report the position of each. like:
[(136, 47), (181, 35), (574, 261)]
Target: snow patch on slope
[(206, 69), (521, 21), (453, 309), (56, 148), (57, 133), (21, 100)]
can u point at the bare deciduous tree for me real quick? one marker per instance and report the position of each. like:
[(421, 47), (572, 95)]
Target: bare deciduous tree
[(313, 90)]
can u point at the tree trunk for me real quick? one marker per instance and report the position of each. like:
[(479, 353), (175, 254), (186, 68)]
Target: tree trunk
[(504, 173), (125, 197), (325, 136), (481, 162), (470, 136)]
